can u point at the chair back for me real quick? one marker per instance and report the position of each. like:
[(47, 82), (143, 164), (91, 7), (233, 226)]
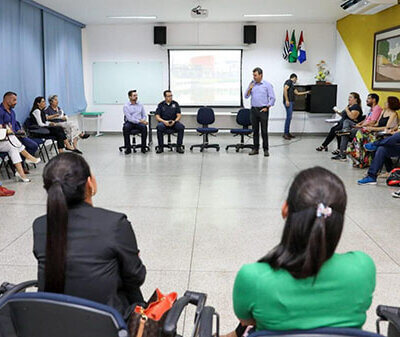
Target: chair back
[(320, 332), (243, 118), (46, 314), (205, 116)]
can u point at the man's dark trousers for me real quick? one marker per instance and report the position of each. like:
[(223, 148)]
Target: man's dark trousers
[(177, 127), (260, 117), (128, 127)]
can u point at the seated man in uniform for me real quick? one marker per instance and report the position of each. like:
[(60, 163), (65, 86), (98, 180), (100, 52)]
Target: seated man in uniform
[(168, 114)]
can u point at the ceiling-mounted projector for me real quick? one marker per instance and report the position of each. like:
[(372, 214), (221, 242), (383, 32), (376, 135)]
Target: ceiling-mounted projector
[(366, 7), (198, 12)]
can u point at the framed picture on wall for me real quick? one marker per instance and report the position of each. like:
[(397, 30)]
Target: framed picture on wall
[(386, 71)]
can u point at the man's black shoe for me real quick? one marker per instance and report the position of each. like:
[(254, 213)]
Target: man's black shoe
[(180, 149), (143, 150), (253, 152), (159, 150), (266, 153), (128, 151)]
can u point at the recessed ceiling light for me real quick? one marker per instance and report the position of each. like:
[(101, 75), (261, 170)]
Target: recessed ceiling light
[(265, 15), (133, 17)]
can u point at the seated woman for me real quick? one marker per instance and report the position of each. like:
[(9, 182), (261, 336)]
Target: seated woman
[(82, 250), (38, 117), (350, 116), (388, 122), (15, 149), (55, 114), (302, 283)]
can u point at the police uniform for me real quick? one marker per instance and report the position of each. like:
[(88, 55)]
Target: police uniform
[(169, 112)]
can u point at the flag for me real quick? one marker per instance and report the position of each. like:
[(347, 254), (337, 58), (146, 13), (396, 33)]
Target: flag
[(293, 49), (301, 50), (286, 46)]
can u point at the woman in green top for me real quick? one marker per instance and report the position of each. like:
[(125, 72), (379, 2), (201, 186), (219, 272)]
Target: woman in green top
[(302, 283)]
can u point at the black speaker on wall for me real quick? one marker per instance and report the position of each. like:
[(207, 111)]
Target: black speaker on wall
[(160, 35), (249, 34)]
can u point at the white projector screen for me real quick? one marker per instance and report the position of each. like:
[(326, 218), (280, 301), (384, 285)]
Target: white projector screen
[(206, 77)]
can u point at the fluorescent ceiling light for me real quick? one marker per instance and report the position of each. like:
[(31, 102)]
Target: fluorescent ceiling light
[(265, 15), (133, 17)]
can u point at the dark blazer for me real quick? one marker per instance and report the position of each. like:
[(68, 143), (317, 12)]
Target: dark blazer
[(103, 263)]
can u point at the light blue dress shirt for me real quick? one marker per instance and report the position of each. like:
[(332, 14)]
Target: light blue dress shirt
[(134, 112), (262, 94)]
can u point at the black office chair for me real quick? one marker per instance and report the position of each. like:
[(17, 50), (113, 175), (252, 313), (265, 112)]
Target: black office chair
[(170, 145), (205, 117), (134, 146), (243, 119)]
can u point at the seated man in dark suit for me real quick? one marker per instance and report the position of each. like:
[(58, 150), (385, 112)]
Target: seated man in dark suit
[(168, 114)]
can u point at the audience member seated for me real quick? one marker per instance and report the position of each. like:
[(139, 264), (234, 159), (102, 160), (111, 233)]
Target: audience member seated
[(82, 250), (385, 149), (388, 121), (5, 192), (8, 117), (56, 115), (14, 148), (371, 119), (135, 119), (168, 115), (302, 283), (350, 116), (38, 117)]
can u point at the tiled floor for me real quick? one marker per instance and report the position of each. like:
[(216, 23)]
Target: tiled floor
[(199, 216)]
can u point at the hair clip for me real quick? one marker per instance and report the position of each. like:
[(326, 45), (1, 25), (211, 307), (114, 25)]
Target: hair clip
[(323, 210)]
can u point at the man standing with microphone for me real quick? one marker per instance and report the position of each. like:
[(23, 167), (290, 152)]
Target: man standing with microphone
[(262, 99)]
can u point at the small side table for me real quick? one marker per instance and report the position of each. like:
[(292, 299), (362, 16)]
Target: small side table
[(92, 114)]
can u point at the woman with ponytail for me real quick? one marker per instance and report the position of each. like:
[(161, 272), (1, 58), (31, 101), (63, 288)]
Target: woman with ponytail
[(83, 250), (302, 283)]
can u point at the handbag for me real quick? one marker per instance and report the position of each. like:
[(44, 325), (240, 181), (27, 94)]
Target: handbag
[(148, 321), (394, 178)]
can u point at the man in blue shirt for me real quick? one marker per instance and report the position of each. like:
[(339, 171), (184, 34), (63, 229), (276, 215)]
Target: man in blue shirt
[(8, 117), (168, 115), (262, 99), (135, 119)]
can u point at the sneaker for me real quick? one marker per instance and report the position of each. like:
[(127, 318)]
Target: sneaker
[(396, 194), (368, 180), (370, 147), (339, 157), (336, 152)]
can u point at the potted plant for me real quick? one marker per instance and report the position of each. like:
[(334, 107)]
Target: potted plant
[(322, 72)]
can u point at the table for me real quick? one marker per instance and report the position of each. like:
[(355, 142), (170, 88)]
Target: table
[(223, 121), (92, 114)]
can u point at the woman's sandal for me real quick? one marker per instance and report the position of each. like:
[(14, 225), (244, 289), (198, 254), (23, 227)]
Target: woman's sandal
[(322, 148)]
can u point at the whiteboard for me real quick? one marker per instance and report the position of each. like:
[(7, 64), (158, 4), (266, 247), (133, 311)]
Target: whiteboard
[(113, 80)]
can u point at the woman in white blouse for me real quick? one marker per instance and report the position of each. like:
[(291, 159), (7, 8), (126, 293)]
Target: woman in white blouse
[(38, 117)]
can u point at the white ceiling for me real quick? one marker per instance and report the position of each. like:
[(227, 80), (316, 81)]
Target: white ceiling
[(97, 11)]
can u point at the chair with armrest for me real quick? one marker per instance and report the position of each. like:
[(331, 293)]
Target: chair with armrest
[(205, 117), (243, 119), (41, 314), (40, 136)]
